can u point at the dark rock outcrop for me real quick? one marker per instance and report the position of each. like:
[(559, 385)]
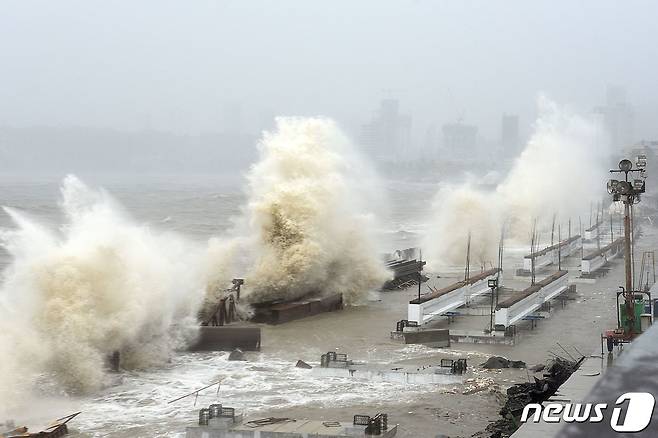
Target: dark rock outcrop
[(236, 354), (498, 362), (302, 364)]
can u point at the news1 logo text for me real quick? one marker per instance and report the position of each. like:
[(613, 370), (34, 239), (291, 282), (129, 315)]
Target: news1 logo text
[(631, 412)]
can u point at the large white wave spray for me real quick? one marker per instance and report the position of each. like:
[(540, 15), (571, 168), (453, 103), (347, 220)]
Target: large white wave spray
[(99, 284), (561, 169), (309, 222)]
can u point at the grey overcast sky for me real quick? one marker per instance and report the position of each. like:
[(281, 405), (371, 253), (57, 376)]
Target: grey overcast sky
[(178, 65)]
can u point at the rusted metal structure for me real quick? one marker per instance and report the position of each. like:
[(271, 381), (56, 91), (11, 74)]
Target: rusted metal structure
[(278, 312), (57, 428), (406, 265), (221, 328), (271, 312), (225, 311)]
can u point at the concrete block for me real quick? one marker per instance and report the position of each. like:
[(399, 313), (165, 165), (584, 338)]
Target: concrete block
[(431, 337), (227, 338)]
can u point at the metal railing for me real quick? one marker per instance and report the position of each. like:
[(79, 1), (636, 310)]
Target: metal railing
[(458, 366), (215, 411), (400, 325), (374, 425), (332, 356)]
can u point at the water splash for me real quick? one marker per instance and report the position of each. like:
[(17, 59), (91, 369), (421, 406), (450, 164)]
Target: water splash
[(561, 169), (309, 221), (102, 283)]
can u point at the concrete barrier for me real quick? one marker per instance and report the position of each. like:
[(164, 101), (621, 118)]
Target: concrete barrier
[(523, 303), (424, 309), (278, 313), (550, 255), (595, 260), (592, 232), (227, 338), (433, 338), (414, 375)]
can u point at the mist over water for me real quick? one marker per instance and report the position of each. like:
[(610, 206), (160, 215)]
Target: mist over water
[(101, 283), (561, 169), (308, 226)]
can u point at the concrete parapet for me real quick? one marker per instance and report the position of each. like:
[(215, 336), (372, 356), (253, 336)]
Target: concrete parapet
[(227, 338)]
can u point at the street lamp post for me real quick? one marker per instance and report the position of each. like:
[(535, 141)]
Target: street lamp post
[(629, 193), (493, 285)]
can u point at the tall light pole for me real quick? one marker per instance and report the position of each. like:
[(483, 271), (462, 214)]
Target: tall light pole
[(629, 193), (493, 285)]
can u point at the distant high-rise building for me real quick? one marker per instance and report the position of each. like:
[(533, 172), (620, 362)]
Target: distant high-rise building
[(617, 117), (388, 134), (509, 135), (460, 140)]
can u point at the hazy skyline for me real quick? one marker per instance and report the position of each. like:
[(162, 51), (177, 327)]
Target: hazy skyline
[(182, 66)]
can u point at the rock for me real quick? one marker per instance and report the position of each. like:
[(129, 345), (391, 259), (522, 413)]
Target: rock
[(236, 354), (302, 364), (537, 368), (519, 395), (498, 362), (495, 363)]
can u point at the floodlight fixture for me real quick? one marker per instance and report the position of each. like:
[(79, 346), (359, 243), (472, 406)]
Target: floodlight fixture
[(641, 161), (625, 165), (612, 186), (624, 188)]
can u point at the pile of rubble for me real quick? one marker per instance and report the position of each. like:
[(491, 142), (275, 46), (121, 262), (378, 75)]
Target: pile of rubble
[(498, 362), (521, 394)]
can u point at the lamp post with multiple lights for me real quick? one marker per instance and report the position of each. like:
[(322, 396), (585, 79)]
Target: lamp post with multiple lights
[(628, 192)]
